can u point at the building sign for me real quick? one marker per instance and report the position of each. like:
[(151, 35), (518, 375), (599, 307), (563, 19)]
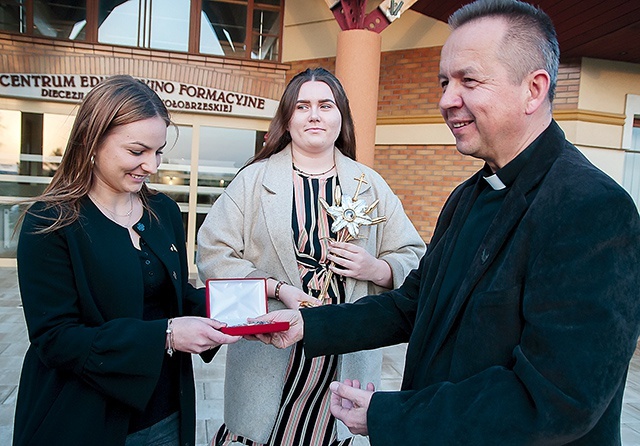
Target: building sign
[(177, 96)]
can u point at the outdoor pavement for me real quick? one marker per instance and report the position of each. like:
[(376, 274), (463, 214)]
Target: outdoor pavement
[(210, 377)]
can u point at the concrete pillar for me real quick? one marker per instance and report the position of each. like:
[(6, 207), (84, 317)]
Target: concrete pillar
[(358, 68)]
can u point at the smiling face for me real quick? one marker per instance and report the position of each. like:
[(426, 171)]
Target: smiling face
[(482, 105), (316, 120), (128, 154)]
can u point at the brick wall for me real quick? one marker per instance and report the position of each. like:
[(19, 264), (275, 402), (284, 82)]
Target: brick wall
[(568, 87), (27, 54), (409, 82), (423, 177)]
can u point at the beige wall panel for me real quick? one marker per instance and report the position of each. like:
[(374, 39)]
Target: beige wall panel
[(569, 129), (297, 12), (590, 134), (310, 30), (597, 143), (604, 84), (609, 161), (414, 30), (310, 41)]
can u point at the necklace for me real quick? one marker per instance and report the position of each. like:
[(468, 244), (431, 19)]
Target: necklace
[(313, 174), (115, 216)]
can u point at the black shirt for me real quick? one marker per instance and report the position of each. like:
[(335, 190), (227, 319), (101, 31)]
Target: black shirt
[(158, 293), (490, 195)]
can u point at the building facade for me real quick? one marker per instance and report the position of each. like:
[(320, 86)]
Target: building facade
[(221, 70)]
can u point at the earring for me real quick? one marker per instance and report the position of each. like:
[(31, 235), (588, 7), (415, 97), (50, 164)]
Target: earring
[(92, 160)]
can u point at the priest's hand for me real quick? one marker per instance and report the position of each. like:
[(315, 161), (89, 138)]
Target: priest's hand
[(282, 339), (349, 404)]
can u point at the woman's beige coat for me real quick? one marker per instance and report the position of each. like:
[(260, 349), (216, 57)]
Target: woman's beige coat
[(248, 233)]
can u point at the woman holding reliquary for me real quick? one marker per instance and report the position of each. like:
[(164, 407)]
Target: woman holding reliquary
[(323, 229)]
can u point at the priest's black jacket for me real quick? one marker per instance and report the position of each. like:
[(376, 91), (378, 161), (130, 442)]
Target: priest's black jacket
[(534, 347), (92, 360)]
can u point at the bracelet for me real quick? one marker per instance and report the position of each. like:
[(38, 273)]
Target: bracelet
[(276, 291), (169, 331)]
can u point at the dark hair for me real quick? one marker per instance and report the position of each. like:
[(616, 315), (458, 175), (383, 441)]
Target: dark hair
[(116, 101), (529, 44), (278, 136)]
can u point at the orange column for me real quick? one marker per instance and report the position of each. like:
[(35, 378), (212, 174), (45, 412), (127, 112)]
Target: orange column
[(358, 68)]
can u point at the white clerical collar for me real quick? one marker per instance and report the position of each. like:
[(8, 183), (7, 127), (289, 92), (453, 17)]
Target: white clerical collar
[(495, 182)]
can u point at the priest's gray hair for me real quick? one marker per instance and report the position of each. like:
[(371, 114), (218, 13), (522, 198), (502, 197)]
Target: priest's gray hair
[(530, 42)]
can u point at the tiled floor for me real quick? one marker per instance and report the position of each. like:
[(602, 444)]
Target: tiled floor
[(210, 377)]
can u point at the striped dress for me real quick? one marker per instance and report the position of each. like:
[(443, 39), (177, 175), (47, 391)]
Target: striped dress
[(304, 418)]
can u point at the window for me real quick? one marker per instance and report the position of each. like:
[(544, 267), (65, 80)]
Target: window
[(224, 26), (59, 19), (222, 152), (631, 144), (265, 33), (157, 24), (31, 148), (12, 16), (248, 29)]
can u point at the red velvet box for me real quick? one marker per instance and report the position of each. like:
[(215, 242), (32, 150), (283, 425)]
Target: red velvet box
[(234, 300)]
